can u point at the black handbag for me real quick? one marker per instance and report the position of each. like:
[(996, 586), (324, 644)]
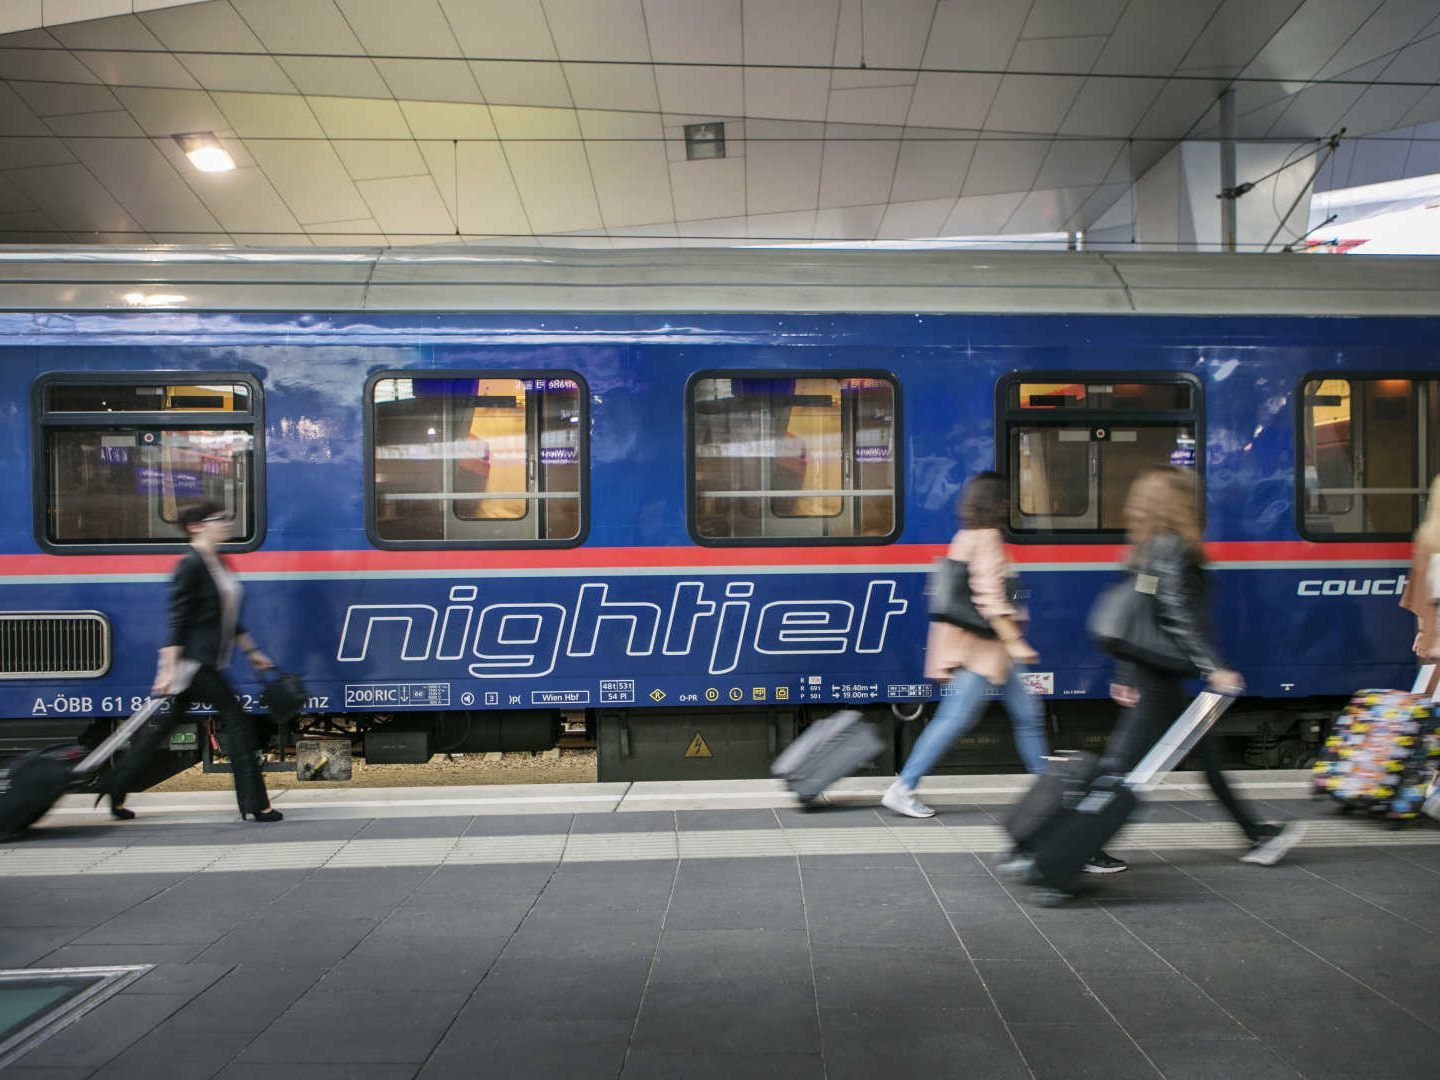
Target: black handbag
[(952, 602), (1124, 624), (284, 696)]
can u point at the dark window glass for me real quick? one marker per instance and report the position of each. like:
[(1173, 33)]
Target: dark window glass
[(1073, 449), (793, 458), (477, 459), (90, 398), (1369, 450)]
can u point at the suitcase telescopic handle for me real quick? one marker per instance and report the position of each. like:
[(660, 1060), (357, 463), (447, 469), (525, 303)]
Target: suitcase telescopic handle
[(1182, 737)]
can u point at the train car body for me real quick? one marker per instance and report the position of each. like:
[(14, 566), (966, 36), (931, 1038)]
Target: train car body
[(457, 504)]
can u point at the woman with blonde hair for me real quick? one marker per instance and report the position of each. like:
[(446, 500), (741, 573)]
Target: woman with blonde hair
[(1163, 526), (1421, 587)]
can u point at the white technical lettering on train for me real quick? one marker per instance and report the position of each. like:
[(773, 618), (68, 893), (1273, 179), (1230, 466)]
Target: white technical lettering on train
[(525, 640), (1381, 586)]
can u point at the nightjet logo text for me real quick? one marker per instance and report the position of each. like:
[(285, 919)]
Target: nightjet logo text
[(526, 640)]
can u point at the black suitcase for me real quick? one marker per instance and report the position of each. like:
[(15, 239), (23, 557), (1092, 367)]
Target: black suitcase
[(829, 750), (1066, 771), (36, 780), (1089, 817)]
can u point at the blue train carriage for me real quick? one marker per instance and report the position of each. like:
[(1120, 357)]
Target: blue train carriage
[(690, 498)]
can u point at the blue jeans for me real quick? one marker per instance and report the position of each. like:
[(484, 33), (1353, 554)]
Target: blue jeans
[(959, 712)]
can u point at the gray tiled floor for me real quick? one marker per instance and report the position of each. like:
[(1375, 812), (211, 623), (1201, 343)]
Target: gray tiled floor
[(829, 963)]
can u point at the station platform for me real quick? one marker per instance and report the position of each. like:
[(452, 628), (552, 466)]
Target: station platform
[(714, 929)]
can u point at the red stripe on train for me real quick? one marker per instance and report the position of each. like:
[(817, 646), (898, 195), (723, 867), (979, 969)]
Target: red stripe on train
[(663, 558)]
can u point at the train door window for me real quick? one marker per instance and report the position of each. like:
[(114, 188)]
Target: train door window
[(793, 458), (1369, 447), (477, 459), (118, 456), (1072, 448)]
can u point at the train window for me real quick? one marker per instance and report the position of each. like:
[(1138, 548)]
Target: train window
[(120, 456), (1073, 447), (793, 459), (477, 459), (1369, 449)]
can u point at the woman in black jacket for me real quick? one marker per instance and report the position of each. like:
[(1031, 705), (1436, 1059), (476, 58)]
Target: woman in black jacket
[(1163, 526), (204, 626)]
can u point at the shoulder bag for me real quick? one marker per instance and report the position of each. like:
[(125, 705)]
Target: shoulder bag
[(1123, 623)]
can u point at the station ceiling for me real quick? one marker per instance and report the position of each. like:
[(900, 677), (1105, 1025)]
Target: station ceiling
[(563, 121)]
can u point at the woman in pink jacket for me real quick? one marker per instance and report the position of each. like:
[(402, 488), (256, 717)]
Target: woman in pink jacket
[(972, 663)]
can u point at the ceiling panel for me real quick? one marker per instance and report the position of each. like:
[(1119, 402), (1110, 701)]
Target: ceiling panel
[(442, 120), (310, 178), (1032, 102), (932, 165), (974, 33), (1176, 108), (782, 166), (193, 27), (506, 83), (338, 76), (380, 159), (16, 117), (1056, 54), (554, 183), (407, 204), (60, 99), (43, 64), (1418, 62), (1109, 107), (1315, 110), (981, 215), (424, 30), (519, 123), (1310, 37), (1237, 32), (1153, 35), (1381, 108), (952, 101), (1389, 28), (19, 153), (914, 220), (849, 222), (71, 197), (893, 36), (430, 80), (1065, 18), (872, 105), (504, 28), (290, 27), (171, 112), (1004, 165), (275, 116), (145, 184), (702, 91), (856, 172), (1071, 163), (698, 31), (708, 189), (784, 226), (1102, 200), (489, 201), (347, 118), (242, 74), (121, 32), (138, 69), (632, 182), (12, 199), (786, 95), (612, 86), (797, 32), (1047, 210), (117, 124), (643, 127), (598, 29), (244, 202)]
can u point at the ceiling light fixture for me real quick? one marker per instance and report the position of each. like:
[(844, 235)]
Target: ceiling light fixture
[(205, 152)]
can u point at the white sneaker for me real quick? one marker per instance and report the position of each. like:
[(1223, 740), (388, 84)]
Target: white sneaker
[(1271, 849), (900, 797)]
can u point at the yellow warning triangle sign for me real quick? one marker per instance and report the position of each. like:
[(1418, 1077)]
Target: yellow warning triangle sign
[(698, 747)]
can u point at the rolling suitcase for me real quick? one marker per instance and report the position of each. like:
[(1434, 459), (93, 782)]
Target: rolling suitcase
[(1090, 815), (1382, 751), (828, 750), (1066, 771), (37, 780)]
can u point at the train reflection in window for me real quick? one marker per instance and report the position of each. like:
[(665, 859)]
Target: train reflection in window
[(477, 459), (793, 458), (1369, 447), (120, 459), (1074, 448)]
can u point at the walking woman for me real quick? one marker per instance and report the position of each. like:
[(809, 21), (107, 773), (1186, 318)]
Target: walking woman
[(1421, 587), (1163, 524), (972, 663), (204, 626)]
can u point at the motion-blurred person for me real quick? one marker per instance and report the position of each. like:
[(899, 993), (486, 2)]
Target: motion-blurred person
[(969, 662), (1164, 529), (205, 624), (1424, 582)]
